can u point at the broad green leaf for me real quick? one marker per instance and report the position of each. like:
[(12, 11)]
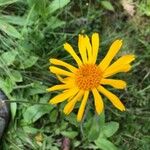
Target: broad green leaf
[(7, 58), (107, 5), (72, 119), (7, 2), (102, 119), (105, 144), (37, 88), (7, 85), (29, 62), (69, 134), (94, 129), (110, 128), (76, 143), (53, 115), (16, 76), (30, 130), (13, 108), (33, 113), (16, 20), (57, 4), (54, 148), (9, 29)]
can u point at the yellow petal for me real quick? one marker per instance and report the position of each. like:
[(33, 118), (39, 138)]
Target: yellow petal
[(113, 98), (124, 68), (95, 47), (70, 105), (113, 50), (63, 96), (88, 47), (126, 59), (98, 101), (118, 84), (59, 87), (70, 50), (60, 78), (119, 64), (82, 48), (64, 64), (82, 107), (66, 80), (59, 71)]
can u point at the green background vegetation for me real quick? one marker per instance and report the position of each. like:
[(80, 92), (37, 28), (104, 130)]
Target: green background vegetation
[(31, 32)]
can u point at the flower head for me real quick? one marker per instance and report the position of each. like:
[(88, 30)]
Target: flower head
[(88, 77)]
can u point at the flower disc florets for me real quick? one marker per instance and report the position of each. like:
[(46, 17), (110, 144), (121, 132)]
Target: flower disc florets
[(88, 76)]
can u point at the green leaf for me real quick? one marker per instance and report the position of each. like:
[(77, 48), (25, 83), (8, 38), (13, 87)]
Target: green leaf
[(16, 20), (110, 128), (9, 29), (57, 4), (7, 2), (13, 108), (7, 85), (102, 119), (37, 88), (30, 130), (33, 113), (29, 62), (94, 129), (69, 134), (72, 119), (16, 76), (7, 58), (53, 115), (105, 144), (107, 5)]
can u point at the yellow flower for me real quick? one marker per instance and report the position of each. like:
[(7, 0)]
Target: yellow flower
[(78, 82)]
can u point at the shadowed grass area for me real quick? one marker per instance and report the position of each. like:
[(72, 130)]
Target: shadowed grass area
[(33, 31)]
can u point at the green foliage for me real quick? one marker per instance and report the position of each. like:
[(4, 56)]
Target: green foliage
[(69, 134), (31, 32), (7, 85), (109, 129), (7, 2), (29, 62), (94, 127), (7, 58), (107, 5), (15, 20), (33, 113), (13, 108), (57, 4), (144, 7), (98, 131), (94, 131), (10, 30), (16, 76), (105, 144)]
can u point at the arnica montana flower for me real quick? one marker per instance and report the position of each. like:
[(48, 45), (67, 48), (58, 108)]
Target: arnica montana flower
[(89, 77)]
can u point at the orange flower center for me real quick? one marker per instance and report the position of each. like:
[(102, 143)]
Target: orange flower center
[(88, 76)]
